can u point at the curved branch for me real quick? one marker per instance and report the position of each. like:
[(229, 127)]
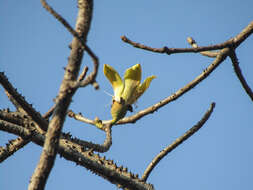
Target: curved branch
[(89, 145), (239, 74), (177, 142)]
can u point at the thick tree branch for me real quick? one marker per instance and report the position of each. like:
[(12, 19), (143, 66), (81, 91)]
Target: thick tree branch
[(239, 74), (16, 144), (64, 97), (177, 142), (14, 129), (17, 118), (107, 169), (23, 120), (23, 107)]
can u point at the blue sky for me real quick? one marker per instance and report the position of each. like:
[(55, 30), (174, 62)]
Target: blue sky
[(34, 50)]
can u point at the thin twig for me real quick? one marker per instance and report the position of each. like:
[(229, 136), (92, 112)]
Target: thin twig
[(49, 112), (177, 142), (80, 117), (83, 74), (90, 79), (239, 74), (233, 42), (170, 51)]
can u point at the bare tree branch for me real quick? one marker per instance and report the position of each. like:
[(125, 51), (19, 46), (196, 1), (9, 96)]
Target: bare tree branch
[(49, 112), (89, 145), (23, 120), (239, 74), (233, 42), (220, 57), (243, 35), (177, 142), (83, 74), (80, 151), (16, 144), (47, 158), (107, 169), (81, 34), (170, 51), (132, 119), (14, 102), (42, 123), (15, 129), (12, 147), (17, 118)]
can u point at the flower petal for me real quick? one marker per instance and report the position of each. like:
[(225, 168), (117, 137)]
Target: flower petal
[(142, 88), (115, 80), (132, 80), (133, 73)]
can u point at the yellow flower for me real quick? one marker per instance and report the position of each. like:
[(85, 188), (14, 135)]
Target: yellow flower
[(126, 91)]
